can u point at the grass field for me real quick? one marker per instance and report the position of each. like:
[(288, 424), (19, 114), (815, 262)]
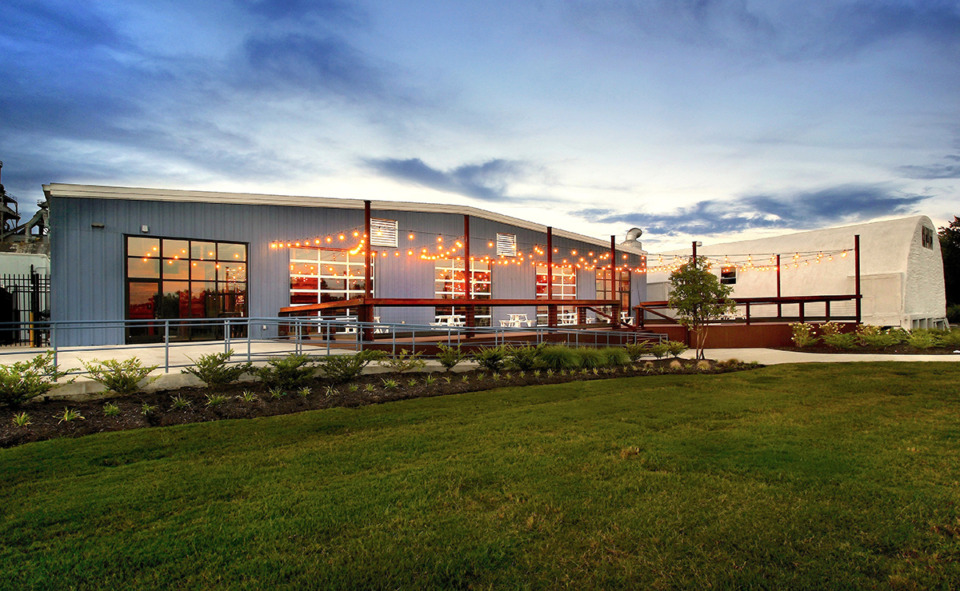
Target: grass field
[(802, 476)]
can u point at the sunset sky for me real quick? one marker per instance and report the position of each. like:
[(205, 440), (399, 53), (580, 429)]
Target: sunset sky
[(714, 120)]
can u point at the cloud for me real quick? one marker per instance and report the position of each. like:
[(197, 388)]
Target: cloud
[(848, 203), (68, 25), (946, 170), (326, 10), (327, 64), (789, 30), (487, 181)]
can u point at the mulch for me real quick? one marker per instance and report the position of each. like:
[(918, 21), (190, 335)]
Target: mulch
[(45, 414)]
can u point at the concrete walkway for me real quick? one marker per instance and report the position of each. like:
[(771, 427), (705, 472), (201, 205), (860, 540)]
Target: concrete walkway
[(776, 356)]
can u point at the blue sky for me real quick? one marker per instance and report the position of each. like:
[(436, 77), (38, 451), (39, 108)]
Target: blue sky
[(702, 119)]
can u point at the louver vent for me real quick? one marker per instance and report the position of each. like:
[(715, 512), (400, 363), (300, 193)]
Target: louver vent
[(383, 232), (507, 245)]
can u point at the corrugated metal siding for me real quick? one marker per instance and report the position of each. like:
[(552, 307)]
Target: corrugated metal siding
[(88, 263)]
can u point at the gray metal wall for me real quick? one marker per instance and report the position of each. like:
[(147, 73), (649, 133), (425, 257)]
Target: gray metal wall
[(87, 263)]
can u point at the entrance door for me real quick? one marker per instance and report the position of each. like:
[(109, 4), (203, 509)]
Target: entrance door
[(142, 304)]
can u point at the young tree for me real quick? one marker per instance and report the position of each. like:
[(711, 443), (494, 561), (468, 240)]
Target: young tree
[(950, 250), (698, 298)]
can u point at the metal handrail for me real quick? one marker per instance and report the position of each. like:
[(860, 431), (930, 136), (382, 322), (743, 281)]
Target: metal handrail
[(304, 330)]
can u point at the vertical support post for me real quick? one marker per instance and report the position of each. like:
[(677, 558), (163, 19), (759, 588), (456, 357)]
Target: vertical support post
[(468, 272), (249, 337), (166, 346), (614, 293), (366, 249), (551, 309), (779, 305), (366, 310), (748, 313), (694, 254), (856, 276)]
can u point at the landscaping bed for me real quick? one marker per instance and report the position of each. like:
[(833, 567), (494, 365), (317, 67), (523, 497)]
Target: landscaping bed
[(254, 399), (831, 337)]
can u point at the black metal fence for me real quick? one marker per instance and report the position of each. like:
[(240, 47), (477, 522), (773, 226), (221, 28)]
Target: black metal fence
[(24, 299)]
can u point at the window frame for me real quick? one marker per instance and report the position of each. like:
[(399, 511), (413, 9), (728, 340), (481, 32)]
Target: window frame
[(241, 299)]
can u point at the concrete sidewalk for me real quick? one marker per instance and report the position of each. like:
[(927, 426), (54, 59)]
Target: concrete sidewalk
[(776, 356)]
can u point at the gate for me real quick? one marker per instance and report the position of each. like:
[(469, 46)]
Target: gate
[(24, 300)]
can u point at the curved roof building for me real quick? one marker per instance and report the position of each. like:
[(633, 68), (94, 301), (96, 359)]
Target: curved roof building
[(900, 266)]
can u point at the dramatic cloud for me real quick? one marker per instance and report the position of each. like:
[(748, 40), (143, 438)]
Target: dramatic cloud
[(800, 211), (947, 170), (487, 181)]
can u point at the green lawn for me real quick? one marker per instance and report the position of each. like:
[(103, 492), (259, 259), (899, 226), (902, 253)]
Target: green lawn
[(803, 476)]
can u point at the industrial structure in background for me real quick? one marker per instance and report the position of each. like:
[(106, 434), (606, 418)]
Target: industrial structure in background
[(24, 272)]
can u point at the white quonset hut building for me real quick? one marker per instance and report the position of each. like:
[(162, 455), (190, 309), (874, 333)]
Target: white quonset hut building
[(901, 270), (143, 254)]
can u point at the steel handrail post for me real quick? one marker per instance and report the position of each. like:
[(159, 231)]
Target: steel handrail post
[(166, 346), (249, 337), (53, 343), (226, 335)]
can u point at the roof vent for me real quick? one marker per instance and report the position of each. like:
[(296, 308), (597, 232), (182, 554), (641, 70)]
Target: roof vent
[(633, 238)]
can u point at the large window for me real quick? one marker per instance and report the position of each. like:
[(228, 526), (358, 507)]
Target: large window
[(564, 288), (326, 275), (450, 282), (175, 278), (728, 275), (319, 275), (621, 289)]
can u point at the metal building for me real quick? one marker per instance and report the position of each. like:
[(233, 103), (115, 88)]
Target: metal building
[(132, 253)]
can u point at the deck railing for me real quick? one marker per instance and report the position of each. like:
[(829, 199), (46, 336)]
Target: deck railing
[(174, 343), (822, 308)]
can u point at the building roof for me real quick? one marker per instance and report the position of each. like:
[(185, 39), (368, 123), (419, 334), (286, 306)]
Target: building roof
[(66, 190)]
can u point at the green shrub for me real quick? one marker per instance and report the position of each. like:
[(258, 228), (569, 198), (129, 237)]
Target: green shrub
[(829, 329), (111, 409), (290, 372), (873, 336), (591, 358), (615, 356), (637, 350), (340, 369), (840, 340), (405, 361), (214, 371), (215, 400), (922, 339), (24, 380), (121, 377), (450, 357), (179, 403), (660, 350), (950, 338), (559, 357), (69, 415), (22, 419), (523, 358), (490, 358), (802, 334), (676, 348)]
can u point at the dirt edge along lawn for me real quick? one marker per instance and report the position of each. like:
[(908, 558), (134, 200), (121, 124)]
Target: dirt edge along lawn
[(253, 399)]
